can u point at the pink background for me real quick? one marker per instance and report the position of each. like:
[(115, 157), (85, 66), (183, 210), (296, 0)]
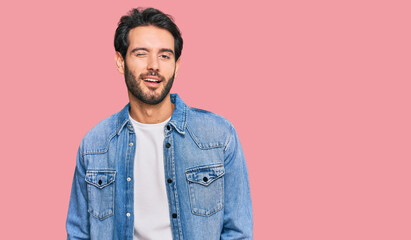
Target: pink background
[(319, 92)]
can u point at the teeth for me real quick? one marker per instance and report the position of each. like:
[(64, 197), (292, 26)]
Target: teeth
[(151, 80)]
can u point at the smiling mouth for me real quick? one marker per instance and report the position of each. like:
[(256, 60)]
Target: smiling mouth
[(152, 80)]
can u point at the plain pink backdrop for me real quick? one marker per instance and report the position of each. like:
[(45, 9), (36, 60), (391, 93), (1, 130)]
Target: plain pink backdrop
[(319, 92)]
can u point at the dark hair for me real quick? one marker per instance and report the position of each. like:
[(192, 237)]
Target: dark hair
[(148, 17)]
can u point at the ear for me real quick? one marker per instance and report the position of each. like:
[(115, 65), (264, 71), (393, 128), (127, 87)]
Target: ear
[(119, 62), (178, 63)]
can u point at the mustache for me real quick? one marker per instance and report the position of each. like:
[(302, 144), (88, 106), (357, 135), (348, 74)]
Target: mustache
[(152, 73)]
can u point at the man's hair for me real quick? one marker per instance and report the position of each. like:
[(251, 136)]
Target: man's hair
[(148, 17)]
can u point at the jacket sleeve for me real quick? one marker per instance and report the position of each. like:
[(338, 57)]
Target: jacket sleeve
[(77, 224), (238, 216)]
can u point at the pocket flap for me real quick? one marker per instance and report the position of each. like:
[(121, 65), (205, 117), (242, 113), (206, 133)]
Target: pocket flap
[(205, 175), (100, 179)]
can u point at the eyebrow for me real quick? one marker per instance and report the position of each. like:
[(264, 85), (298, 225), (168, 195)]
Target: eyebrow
[(138, 49), (145, 49), (167, 50)]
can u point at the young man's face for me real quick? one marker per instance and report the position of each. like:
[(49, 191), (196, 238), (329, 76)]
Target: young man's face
[(150, 65)]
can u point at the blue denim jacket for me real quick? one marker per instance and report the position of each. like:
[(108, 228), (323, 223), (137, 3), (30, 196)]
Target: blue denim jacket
[(205, 171)]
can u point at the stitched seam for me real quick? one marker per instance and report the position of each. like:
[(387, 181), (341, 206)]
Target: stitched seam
[(199, 145), (193, 137), (185, 117), (101, 218), (100, 151), (90, 210), (121, 127), (105, 185), (231, 137), (176, 199), (204, 167), (190, 183), (209, 214), (208, 183)]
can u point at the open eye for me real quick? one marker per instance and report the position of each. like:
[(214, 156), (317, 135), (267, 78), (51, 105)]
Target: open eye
[(164, 56)]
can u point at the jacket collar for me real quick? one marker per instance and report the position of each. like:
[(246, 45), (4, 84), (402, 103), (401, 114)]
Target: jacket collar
[(178, 118)]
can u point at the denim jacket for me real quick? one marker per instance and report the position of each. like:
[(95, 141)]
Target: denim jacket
[(205, 176)]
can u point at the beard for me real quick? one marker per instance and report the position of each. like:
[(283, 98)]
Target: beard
[(133, 86)]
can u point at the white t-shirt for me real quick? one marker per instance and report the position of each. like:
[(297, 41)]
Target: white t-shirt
[(151, 212)]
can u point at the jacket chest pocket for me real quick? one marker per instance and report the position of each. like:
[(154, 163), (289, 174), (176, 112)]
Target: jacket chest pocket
[(206, 189), (100, 190)]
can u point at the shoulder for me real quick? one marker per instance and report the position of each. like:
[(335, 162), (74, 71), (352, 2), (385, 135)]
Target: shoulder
[(210, 119), (208, 129), (97, 139)]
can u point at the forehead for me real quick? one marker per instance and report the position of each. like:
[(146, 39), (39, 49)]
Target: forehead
[(150, 37)]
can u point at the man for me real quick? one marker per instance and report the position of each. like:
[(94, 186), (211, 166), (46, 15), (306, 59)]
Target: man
[(158, 169)]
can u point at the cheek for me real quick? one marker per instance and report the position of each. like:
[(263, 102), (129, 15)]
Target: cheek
[(137, 65), (168, 68)]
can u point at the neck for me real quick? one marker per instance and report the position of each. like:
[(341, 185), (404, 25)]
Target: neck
[(150, 114)]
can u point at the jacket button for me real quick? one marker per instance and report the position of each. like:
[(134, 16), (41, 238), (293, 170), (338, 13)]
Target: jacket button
[(169, 180), (128, 214), (205, 179), (168, 145), (168, 127), (131, 144), (174, 215), (99, 182)]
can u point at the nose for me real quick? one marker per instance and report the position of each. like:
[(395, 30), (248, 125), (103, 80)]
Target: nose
[(152, 63)]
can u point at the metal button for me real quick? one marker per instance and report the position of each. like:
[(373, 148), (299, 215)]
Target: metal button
[(100, 182), (128, 179), (128, 214), (168, 127), (131, 144), (174, 215), (168, 145), (169, 180), (205, 179)]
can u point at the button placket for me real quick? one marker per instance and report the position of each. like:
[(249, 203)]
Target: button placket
[(171, 187), (130, 140)]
